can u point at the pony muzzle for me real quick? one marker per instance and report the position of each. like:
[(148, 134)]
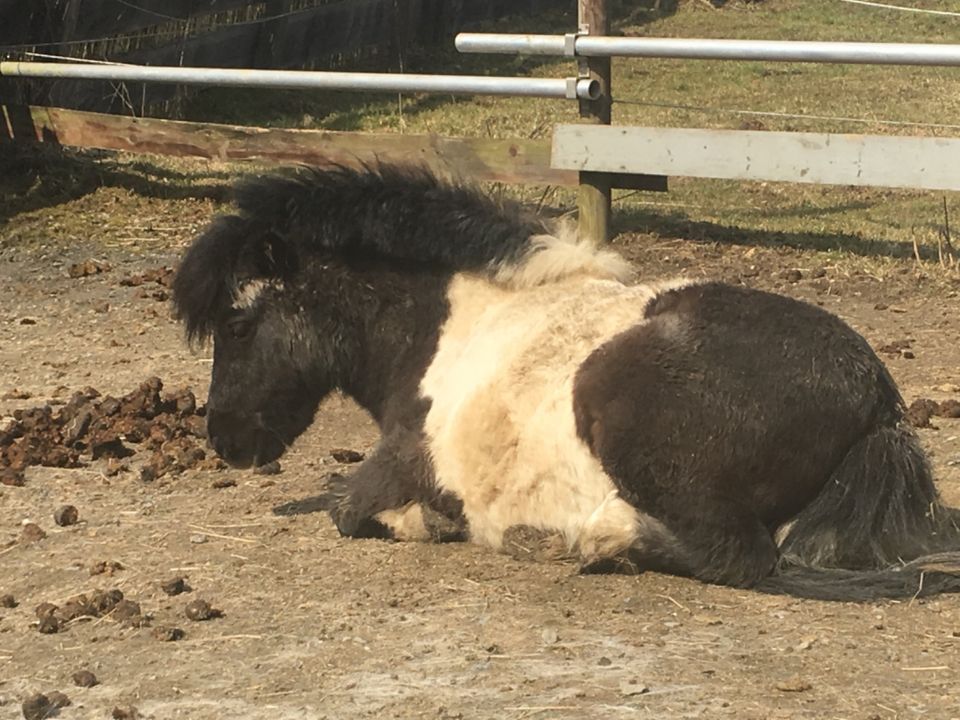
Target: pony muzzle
[(242, 440)]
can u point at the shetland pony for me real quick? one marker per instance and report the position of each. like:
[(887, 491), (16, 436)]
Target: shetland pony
[(731, 435)]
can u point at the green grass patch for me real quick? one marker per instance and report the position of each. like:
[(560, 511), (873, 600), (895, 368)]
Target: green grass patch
[(673, 93)]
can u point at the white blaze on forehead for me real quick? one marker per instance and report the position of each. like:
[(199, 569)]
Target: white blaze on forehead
[(501, 428), (247, 293)]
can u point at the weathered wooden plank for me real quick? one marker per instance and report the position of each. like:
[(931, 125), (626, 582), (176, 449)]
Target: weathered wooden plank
[(508, 161), (872, 160)]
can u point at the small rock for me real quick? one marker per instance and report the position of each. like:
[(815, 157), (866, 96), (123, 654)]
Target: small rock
[(795, 684), (8, 601), (344, 455), (66, 515), (907, 354), (175, 586), (167, 634), (791, 276), (199, 610), (125, 712), (36, 707), (604, 661), (101, 307), (198, 538), (27, 321), (84, 678), (223, 483)]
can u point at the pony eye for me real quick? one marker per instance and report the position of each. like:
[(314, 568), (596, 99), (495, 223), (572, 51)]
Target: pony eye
[(239, 328)]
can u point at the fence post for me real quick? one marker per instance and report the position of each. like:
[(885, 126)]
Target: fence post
[(593, 199)]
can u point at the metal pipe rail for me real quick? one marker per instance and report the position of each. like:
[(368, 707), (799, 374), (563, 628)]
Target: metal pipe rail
[(858, 53), (571, 88)]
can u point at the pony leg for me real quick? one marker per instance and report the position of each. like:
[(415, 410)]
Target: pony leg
[(724, 543), (392, 495)]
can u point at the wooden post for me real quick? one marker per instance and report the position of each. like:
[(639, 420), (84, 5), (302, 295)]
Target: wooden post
[(593, 199)]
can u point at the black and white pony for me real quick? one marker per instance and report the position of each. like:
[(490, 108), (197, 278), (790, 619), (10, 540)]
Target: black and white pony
[(518, 380)]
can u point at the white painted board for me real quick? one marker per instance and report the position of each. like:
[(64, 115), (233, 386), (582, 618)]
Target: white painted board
[(830, 159)]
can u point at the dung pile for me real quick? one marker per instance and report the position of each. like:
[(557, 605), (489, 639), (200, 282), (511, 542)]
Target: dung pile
[(92, 427)]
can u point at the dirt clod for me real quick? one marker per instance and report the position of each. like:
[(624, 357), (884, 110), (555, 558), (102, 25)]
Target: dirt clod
[(199, 610), (49, 625), (344, 455), (44, 609), (795, 684), (949, 409), (175, 586), (125, 712), (12, 477), (104, 428), (105, 567), (66, 515), (87, 268), (58, 699), (167, 634), (36, 707), (8, 601), (85, 678), (127, 613), (223, 483), (31, 532), (920, 412)]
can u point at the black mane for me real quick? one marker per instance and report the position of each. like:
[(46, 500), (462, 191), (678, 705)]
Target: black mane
[(400, 212), (385, 211)]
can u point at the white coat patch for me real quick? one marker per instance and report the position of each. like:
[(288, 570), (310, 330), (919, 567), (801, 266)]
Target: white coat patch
[(501, 428)]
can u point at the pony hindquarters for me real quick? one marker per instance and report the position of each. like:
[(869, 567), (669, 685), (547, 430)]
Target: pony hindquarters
[(731, 412)]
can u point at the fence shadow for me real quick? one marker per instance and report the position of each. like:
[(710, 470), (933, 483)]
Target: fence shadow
[(35, 176), (678, 226)]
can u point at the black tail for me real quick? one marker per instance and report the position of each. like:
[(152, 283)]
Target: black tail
[(877, 529)]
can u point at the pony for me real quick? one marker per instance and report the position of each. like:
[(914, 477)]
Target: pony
[(520, 379)]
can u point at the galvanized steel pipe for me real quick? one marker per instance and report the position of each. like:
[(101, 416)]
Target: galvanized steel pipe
[(572, 88), (859, 53)]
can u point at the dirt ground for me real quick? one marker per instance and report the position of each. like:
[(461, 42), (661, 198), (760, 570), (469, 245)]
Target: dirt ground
[(315, 626)]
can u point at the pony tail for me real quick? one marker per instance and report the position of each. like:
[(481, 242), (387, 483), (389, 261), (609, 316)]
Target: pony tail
[(877, 529)]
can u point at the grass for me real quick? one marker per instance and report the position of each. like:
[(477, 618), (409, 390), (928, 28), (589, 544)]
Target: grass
[(840, 222), (695, 94)]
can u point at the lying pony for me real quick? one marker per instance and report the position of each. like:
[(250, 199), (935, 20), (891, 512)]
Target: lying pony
[(519, 381)]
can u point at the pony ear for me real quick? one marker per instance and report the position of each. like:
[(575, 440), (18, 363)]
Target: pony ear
[(267, 256)]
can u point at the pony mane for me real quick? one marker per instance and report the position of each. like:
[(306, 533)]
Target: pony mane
[(393, 212)]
